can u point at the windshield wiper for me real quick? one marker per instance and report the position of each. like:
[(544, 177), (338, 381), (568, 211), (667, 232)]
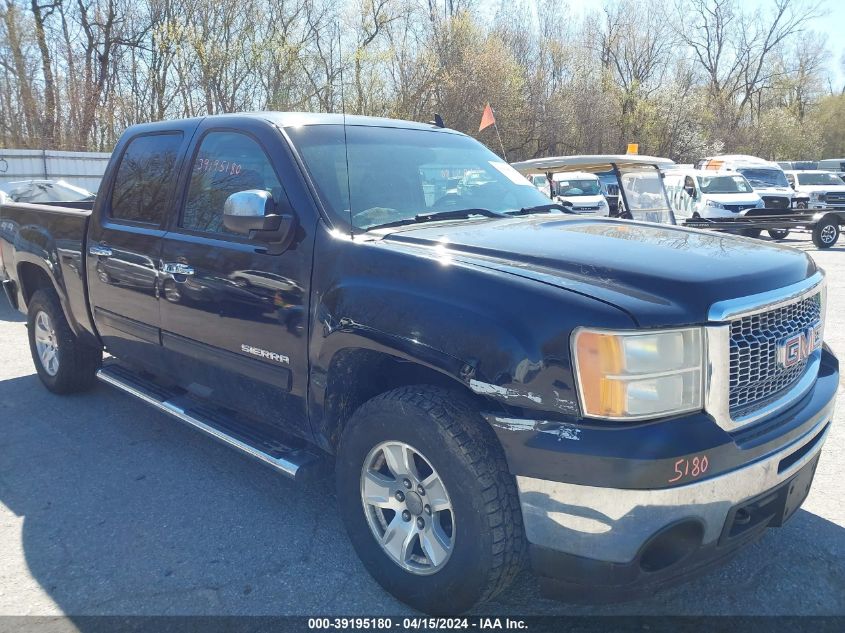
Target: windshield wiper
[(433, 216), (542, 208)]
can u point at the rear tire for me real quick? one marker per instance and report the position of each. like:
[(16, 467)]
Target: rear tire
[(448, 441), (778, 234), (63, 362), (826, 232)]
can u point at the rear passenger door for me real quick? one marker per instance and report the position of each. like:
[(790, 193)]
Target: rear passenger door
[(234, 318), (124, 244)]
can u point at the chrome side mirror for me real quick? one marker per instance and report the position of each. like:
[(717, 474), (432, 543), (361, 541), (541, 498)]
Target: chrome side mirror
[(257, 215), (247, 211)]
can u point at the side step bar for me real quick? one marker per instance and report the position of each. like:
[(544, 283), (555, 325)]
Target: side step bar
[(293, 462)]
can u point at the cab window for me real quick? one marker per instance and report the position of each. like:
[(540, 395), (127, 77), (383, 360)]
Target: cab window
[(145, 178), (226, 163)]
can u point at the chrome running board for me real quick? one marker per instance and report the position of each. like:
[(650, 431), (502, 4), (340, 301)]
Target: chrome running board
[(247, 438)]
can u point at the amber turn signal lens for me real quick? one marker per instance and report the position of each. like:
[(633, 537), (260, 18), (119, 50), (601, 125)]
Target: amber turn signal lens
[(639, 374)]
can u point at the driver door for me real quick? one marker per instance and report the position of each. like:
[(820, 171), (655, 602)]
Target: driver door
[(233, 316)]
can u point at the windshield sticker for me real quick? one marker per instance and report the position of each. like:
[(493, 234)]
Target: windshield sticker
[(513, 175), (206, 165)]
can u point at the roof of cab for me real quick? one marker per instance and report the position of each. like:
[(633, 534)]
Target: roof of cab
[(296, 119), (290, 119)]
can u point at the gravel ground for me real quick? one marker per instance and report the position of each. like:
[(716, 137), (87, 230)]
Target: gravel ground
[(108, 507)]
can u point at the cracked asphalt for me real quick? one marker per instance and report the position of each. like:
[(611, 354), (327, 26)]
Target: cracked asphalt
[(108, 507)]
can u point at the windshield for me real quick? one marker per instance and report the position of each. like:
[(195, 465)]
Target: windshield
[(762, 177), (724, 184), (578, 187), (396, 174), (644, 195), (819, 178)]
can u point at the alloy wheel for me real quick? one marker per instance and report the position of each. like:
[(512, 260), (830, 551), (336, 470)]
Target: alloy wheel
[(46, 343), (407, 507)]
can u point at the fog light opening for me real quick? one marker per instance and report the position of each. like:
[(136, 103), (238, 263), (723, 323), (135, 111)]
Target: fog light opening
[(671, 545)]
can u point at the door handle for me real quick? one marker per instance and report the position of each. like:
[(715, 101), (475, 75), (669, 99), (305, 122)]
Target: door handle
[(172, 268), (100, 250)]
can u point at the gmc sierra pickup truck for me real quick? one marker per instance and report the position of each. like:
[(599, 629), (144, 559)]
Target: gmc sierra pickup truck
[(497, 382)]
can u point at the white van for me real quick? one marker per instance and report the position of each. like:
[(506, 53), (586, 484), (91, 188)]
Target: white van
[(704, 194), (541, 182), (767, 178), (824, 189), (582, 190)]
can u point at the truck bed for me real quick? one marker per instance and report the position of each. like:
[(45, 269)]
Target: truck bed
[(48, 241)]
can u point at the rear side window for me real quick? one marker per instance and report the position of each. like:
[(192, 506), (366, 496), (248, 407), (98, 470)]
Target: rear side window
[(227, 162), (145, 178)]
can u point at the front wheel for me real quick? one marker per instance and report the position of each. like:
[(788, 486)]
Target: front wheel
[(63, 362), (755, 233), (826, 232), (778, 234), (428, 501)]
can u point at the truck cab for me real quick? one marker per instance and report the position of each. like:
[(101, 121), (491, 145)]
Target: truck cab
[(822, 189)]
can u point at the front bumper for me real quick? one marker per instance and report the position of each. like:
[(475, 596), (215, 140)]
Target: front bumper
[(591, 543)]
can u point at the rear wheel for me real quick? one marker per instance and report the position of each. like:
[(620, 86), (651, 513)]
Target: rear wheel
[(778, 234), (63, 362), (826, 232), (428, 501)]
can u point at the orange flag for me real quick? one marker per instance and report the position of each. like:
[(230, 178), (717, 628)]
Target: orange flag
[(487, 119)]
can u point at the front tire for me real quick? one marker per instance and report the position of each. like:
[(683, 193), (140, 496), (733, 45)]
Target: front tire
[(427, 500), (778, 234), (826, 232), (63, 362)]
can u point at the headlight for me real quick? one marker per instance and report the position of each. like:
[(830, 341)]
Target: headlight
[(633, 375), (816, 196), (602, 202), (715, 205), (760, 205)]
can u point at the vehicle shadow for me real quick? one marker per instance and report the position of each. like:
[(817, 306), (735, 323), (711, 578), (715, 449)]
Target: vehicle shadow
[(119, 510)]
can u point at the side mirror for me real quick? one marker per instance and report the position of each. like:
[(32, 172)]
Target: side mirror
[(256, 214)]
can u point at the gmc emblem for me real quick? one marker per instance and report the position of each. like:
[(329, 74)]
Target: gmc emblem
[(798, 347)]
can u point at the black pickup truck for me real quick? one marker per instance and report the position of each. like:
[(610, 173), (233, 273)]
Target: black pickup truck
[(496, 382)]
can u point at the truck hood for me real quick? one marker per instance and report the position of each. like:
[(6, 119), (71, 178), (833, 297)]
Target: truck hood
[(583, 201), (774, 191), (658, 274), (821, 188), (733, 198)]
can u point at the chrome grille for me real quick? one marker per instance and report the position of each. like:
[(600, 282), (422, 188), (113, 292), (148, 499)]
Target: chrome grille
[(756, 377), (835, 198)]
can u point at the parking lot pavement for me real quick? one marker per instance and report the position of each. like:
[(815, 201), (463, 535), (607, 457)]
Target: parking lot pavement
[(108, 507)]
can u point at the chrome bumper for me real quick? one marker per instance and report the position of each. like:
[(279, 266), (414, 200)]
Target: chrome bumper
[(609, 524)]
